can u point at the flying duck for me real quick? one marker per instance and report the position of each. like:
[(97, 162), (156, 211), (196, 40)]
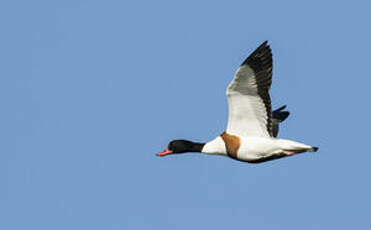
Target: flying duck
[(252, 126)]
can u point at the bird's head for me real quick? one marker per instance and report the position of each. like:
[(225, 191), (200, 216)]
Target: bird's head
[(181, 146)]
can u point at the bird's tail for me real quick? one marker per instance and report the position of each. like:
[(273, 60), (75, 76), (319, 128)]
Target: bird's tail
[(295, 147), (279, 114)]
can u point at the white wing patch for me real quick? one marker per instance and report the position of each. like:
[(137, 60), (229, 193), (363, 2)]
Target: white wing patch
[(247, 111)]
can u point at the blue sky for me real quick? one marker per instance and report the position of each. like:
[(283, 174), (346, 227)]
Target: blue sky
[(91, 90)]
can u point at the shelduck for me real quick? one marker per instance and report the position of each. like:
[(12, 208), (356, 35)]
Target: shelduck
[(251, 134)]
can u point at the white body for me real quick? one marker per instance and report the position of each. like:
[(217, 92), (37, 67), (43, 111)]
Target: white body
[(256, 148), (249, 136)]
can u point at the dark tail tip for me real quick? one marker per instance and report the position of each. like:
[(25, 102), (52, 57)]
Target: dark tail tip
[(315, 149), (281, 108)]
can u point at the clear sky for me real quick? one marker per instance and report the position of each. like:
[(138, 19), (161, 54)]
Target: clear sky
[(91, 90)]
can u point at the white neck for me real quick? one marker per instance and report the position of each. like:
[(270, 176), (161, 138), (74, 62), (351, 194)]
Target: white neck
[(216, 146)]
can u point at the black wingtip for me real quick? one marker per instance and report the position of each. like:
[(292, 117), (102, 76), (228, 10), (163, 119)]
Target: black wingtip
[(279, 114), (281, 108), (315, 149), (284, 115), (260, 59), (263, 45)]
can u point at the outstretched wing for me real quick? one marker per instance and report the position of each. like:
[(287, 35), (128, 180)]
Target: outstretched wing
[(250, 112)]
